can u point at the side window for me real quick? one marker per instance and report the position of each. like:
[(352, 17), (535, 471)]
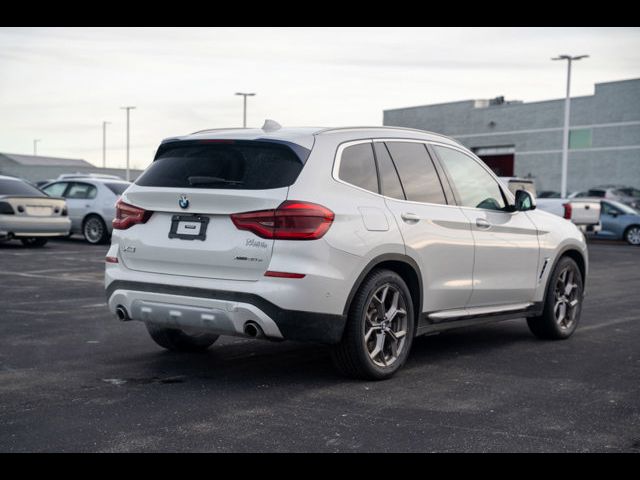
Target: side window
[(81, 191), (609, 209), (390, 182), (476, 188), (358, 167), (418, 175), (56, 189)]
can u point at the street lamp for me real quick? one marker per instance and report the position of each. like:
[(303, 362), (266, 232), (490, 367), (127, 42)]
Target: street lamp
[(35, 146), (244, 110), (567, 108), (128, 109), (104, 144)]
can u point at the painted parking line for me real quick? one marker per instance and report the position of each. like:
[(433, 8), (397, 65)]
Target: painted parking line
[(617, 321), (52, 277)]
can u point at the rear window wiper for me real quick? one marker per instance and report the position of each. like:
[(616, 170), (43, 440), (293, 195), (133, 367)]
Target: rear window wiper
[(197, 180)]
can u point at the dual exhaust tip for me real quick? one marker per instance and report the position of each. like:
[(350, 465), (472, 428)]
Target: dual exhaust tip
[(251, 328)]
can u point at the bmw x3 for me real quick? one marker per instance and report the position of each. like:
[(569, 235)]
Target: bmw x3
[(361, 238)]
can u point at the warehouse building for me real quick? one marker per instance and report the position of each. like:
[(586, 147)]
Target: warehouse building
[(525, 139), (36, 168)]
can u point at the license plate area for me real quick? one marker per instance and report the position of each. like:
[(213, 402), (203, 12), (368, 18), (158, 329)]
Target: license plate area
[(189, 227)]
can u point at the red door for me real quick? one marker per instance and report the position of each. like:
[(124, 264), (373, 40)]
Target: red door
[(502, 165)]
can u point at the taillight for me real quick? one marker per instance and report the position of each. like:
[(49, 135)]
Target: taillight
[(567, 210), (128, 215), (292, 220)]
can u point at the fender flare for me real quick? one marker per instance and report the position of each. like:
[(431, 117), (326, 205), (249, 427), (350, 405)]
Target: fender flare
[(398, 257)]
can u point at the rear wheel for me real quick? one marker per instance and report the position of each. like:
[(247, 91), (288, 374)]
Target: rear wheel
[(177, 340), (379, 330), (563, 303), (632, 235), (94, 230), (34, 241)]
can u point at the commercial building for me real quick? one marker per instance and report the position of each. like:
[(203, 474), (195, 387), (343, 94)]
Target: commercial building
[(525, 139), (36, 167)]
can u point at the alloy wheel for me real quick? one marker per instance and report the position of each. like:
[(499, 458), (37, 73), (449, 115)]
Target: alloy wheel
[(93, 230), (633, 236), (567, 298), (385, 326)]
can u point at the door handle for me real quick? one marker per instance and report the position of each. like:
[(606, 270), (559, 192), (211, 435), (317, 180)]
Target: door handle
[(410, 217), (482, 223)]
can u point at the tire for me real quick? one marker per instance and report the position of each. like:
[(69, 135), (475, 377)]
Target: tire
[(632, 235), (355, 356), (559, 318), (94, 230), (34, 241), (178, 341)]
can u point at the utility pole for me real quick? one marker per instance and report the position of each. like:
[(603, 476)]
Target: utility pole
[(565, 133), (104, 144), (35, 146), (244, 107), (128, 109)]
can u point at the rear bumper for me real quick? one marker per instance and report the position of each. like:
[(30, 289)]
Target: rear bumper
[(16, 226), (220, 311)]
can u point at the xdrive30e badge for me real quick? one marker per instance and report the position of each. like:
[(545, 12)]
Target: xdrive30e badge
[(183, 201)]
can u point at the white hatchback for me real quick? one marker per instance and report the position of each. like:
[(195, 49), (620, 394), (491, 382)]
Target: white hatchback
[(362, 238)]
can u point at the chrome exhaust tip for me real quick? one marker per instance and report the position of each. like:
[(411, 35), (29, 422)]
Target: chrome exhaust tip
[(253, 330), (122, 313)]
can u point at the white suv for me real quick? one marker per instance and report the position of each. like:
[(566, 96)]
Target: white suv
[(358, 237)]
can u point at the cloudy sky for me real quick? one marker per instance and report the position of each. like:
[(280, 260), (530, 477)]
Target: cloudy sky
[(59, 84)]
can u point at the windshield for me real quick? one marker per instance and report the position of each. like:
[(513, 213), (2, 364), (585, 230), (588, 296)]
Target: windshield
[(18, 187), (624, 208), (628, 192)]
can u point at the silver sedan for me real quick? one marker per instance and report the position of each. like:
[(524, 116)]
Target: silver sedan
[(91, 203)]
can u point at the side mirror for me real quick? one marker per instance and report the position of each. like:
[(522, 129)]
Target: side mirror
[(525, 201)]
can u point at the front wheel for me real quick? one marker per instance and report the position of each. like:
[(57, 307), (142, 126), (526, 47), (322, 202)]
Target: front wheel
[(179, 341), (34, 241), (379, 330), (563, 303), (632, 235)]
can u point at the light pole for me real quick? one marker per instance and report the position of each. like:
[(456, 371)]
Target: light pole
[(35, 146), (104, 144), (565, 134), (128, 109), (244, 110)]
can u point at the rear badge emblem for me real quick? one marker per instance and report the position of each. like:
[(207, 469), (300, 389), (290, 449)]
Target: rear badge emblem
[(183, 201)]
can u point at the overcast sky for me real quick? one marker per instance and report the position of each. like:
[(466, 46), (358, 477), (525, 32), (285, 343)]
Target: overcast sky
[(59, 84)]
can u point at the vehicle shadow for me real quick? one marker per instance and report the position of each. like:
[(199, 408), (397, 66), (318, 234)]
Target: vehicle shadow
[(286, 363)]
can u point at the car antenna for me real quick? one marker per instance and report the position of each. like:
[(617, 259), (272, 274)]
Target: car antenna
[(271, 126)]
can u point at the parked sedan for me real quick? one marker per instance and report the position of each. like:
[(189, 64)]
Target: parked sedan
[(619, 221), (91, 202), (27, 214)]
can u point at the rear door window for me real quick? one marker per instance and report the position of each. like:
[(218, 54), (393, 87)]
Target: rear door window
[(358, 167), (82, 191), (389, 180), (240, 165), (419, 178), (117, 188)]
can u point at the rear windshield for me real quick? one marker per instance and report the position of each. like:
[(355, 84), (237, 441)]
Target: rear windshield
[(233, 165), (117, 188), (18, 187)]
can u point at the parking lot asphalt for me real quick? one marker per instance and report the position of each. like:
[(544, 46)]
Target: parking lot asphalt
[(72, 378)]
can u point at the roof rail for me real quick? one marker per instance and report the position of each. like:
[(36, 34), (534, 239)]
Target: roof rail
[(384, 127)]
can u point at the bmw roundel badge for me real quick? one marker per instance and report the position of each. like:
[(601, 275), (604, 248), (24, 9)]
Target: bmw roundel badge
[(183, 201)]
